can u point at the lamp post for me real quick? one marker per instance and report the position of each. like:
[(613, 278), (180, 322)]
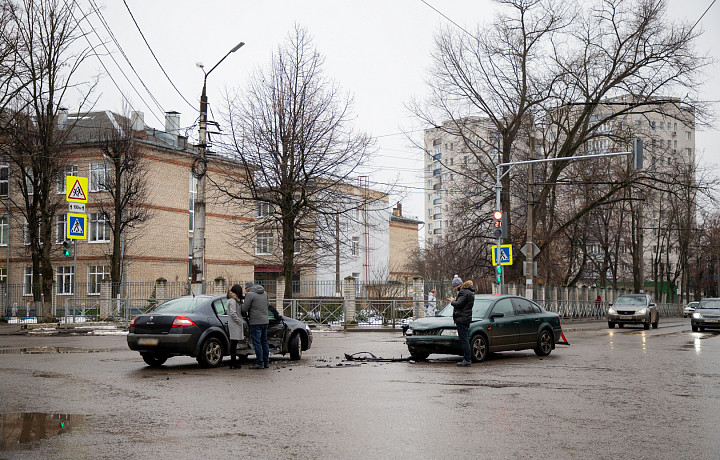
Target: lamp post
[(197, 277)]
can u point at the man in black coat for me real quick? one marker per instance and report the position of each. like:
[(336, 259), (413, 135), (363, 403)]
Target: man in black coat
[(462, 315)]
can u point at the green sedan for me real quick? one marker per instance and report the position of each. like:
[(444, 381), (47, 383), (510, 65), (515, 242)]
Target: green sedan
[(499, 323)]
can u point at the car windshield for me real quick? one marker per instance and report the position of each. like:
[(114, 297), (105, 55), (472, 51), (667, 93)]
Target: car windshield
[(480, 308), (693, 304), (710, 305), (635, 301), (180, 305)]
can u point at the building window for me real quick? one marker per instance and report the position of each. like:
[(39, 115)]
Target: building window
[(688, 135), (65, 277), (4, 177), (355, 248), (99, 229), (98, 176), (688, 152), (3, 275), (193, 197), (652, 125), (263, 210), (29, 182), (96, 273), (28, 281), (4, 229), (71, 170), (263, 243), (26, 232), (60, 228)]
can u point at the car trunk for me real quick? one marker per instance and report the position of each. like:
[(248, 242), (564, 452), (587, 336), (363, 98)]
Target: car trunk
[(154, 324)]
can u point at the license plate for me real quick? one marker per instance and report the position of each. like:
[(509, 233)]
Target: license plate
[(147, 341), (626, 317), (712, 320)]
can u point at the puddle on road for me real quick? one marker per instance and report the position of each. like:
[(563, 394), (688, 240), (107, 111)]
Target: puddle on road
[(44, 350), (24, 427)]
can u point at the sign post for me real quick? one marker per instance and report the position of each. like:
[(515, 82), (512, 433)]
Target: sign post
[(76, 188)]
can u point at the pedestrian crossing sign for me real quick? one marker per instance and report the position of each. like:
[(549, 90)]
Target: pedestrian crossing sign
[(77, 189), (76, 226), (503, 256)]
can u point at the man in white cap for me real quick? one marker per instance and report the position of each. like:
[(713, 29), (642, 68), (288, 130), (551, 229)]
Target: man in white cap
[(462, 315)]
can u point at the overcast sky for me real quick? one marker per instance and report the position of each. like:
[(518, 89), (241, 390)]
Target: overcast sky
[(376, 50)]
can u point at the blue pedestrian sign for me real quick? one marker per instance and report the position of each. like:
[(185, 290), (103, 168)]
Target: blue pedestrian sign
[(76, 226), (505, 255)]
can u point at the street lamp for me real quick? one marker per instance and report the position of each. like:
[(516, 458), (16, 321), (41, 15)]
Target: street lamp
[(199, 168)]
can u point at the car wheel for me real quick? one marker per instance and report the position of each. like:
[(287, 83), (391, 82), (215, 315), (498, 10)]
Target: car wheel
[(544, 343), (694, 328), (646, 326), (295, 346), (153, 360), (211, 353), (418, 355), (611, 325), (479, 348)]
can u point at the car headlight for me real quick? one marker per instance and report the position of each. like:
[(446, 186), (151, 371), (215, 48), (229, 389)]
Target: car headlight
[(611, 311), (452, 332), (697, 315), (409, 331), (642, 311)]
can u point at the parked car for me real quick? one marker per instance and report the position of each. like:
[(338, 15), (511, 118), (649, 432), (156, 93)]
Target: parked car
[(197, 326), (689, 309), (706, 315), (633, 309), (499, 323)]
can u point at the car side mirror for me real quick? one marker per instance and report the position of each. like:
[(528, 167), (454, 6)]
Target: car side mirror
[(653, 305), (497, 315)]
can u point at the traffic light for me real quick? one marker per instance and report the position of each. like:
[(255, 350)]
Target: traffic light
[(499, 225), (637, 153), (66, 249), (499, 273)]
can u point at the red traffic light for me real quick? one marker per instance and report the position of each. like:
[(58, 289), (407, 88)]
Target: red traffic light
[(497, 215)]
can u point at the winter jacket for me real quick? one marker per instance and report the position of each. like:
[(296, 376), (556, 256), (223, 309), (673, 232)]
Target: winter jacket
[(463, 303), (235, 321), (256, 305)]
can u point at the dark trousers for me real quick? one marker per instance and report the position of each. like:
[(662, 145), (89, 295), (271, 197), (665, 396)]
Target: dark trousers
[(462, 330), (260, 344), (233, 351)]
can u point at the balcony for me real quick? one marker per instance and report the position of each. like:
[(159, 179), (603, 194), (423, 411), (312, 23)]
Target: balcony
[(437, 201), (436, 172), (437, 231), (437, 216), (437, 186), (437, 157)]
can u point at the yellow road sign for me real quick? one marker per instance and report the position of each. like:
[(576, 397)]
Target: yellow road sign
[(505, 256), (77, 189), (76, 226)]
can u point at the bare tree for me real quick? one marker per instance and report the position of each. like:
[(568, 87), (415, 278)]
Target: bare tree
[(545, 70), (297, 151), (46, 62), (125, 183)]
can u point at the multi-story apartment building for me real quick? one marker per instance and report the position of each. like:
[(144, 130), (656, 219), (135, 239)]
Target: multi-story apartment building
[(162, 246)]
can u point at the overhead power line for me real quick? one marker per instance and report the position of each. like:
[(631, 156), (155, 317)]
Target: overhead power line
[(155, 57)]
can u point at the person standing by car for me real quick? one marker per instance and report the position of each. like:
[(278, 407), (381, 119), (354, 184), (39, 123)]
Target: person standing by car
[(256, 306), (235, 322), (431, 303), (462, 315)]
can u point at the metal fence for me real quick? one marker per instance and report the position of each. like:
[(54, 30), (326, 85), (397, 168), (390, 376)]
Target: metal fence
[(367, 313)]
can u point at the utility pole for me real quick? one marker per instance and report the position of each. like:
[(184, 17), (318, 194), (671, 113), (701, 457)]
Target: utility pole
[(529, 267), (197, 277)]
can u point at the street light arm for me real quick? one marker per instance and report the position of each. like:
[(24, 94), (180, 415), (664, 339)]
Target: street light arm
[(235, 48)]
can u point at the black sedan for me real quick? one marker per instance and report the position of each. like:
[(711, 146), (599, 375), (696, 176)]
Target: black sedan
[(706, 315), (499, 323), (197, 326)]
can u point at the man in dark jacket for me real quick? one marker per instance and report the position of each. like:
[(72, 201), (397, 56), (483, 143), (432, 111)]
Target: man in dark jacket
[(462, 315), (256, 305)]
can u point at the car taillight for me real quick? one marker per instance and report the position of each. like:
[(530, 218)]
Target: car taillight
[(132, 321), (182, 321)]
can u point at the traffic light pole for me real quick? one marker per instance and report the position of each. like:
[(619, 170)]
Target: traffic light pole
[(499, 174)]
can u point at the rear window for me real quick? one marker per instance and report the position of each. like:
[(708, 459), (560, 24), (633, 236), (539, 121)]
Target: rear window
[(180, 305)]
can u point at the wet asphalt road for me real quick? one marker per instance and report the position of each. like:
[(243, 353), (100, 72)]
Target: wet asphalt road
[(622, 393)]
